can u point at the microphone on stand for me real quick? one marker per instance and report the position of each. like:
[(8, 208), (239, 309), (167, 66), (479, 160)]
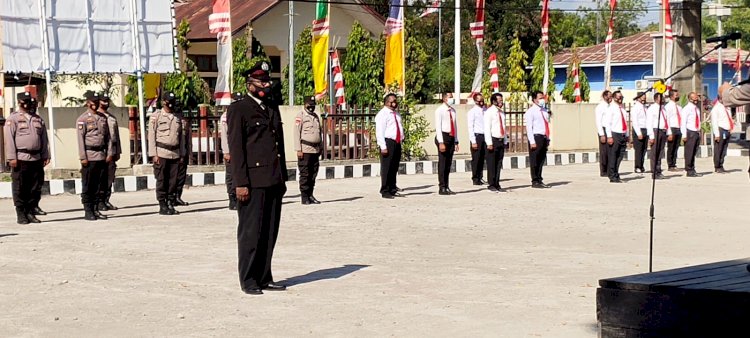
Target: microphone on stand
[(724, 38)]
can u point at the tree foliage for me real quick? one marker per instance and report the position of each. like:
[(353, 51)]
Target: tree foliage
[(362, 66), (416, 64), (516, 64), (304, 83), (537, 73), (567, 92)]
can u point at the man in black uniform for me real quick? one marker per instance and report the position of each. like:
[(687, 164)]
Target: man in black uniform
[(259, 173), (182, 167)]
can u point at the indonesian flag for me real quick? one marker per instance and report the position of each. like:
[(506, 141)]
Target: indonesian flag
[(608, 44), (576, 84), (494, 83), (434, 7), (668, 43), (738, 67), (545, 25), (219, 23), (338, 80), (395, 57), (320, 34), (477, 33)]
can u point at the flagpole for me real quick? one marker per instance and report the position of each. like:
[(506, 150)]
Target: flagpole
[(440, 46), (545, 83), (664, 71), (47, 78), (457, 53), (291, 53)]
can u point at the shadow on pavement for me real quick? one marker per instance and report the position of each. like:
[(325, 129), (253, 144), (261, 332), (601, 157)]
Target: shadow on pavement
[(418, 193), (470, 191), (187, 211), (348, 199), (7, 235), (628, 179), (557, 184), (418, 187), (331, 273)]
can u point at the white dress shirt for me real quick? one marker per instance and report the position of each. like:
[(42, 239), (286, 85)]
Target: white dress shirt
[(690, 115), (656, 119), (674, 114), (721, 118), (475, 122), (493, 119), (386, 123), (537, 122), (601, 110), (443, 115), (616, 120), (638, 118)]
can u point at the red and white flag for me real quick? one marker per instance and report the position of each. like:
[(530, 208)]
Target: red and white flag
[(545, 24), (477, 33), (338, 80), (494, 81), (668, 43), (576, 84), (434, 7), (219, 22), (608, 44)]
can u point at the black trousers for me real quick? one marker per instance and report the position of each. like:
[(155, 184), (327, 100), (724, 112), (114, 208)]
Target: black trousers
[(308, 171), (640, 147), (181, 175), (720, 148), (257, 231), (537, 157), (691, 149), (231, 190), (657, 150), (495, 162), (106, 189), (93, 177), (389, 166), (603, 154), (477, 159), (616, 154), (673, 147), (166, 173), (28, 178), (445, 159)]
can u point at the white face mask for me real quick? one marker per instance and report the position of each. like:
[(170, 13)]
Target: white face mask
[(451, 101), (541, 102)]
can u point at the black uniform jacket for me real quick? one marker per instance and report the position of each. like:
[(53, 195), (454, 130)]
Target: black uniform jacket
[(256, 142)]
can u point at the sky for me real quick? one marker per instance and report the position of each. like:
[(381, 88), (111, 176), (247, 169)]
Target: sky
[(652, 5)]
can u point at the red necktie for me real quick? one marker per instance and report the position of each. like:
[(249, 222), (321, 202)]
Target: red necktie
[(679, 118), (666, 124), (697, 119), (453, 126), (546, 124), (502, 128), (624, 125), (731, 123), (398, 128)]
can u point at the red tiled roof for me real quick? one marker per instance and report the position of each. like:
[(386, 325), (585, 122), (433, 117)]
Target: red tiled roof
[(630, 49), (729, 55), (196, 12)]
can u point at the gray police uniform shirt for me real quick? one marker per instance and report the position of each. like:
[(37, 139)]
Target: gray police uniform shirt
[(164, 136), (93, 136), (26, 137), (223, 133), (307, 133), (114, 134)]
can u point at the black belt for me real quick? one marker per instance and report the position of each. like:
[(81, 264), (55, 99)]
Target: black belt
[(30, 152), (96, 148), (309, 143), (166, 146)]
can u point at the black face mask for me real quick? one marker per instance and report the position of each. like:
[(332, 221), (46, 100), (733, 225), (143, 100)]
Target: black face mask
[(310, 108), (94, 105), (394, 105), (104, 105)]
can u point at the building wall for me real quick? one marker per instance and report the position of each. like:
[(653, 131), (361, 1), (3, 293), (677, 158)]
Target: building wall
[(711, 78)]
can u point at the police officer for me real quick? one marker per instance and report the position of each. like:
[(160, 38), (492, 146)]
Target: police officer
[(307, 142), (166, 147), (94, 152), (259, 173), (114, 140), (227, 155), (27, 151), (187, 136)]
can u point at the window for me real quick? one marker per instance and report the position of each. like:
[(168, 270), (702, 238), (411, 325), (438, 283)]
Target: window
[(275, 63), (205, 63)]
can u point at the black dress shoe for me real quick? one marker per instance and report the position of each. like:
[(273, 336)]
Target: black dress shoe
[(178, 201), (616, 181), (32, 218), (602, 174), (450, 192), (399, 189), (482, 181), (274, 287), (305, 200), (477, 183), (720, 170), (443, 191), (694, 174), (387, 196), (314, 200), (110, 206), (38, 211), (673, 169), (252, 290), (492, 188), (659, 176)]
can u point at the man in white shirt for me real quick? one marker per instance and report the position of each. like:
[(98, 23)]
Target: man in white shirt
[(446, 139), (659, 133), (601, 110), (475, 123), (389, 132), (721, 127), (640, 131), (497, 138), (690, 129), (538, 133), (674, 116), (616, 125)]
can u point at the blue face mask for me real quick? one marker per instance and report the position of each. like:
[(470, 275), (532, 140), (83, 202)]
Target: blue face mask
[(541, 103)]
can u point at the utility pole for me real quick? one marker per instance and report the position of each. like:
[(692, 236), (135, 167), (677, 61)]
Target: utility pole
[(291, 53), (457, 54), (720, 12)]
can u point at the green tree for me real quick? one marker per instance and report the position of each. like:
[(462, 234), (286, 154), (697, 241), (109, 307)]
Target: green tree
[(516, 64), (537, 73), (362, 66), (567, 92), (304, 83), (739, 21), (626, 20), (416, 69)]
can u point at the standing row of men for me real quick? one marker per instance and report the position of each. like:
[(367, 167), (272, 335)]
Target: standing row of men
[(661, 125)]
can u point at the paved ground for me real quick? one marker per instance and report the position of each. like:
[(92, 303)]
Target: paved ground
[(522, 263)]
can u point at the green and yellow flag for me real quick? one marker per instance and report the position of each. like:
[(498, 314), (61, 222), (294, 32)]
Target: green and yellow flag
[(320, 34), (394, 46)]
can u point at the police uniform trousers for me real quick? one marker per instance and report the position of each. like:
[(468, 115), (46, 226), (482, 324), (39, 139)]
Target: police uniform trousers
[(93, 180), (603, 155), (720, 148), (445, 159), (308, 170), (691, 149), (657, 150), (616, 154), (28, 178), (495, 161), (537, 157), (640, 147), (181, 175), (107, 188), (477, 159), (166, 173), (257, 232), (673, 147), (389, 167)]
